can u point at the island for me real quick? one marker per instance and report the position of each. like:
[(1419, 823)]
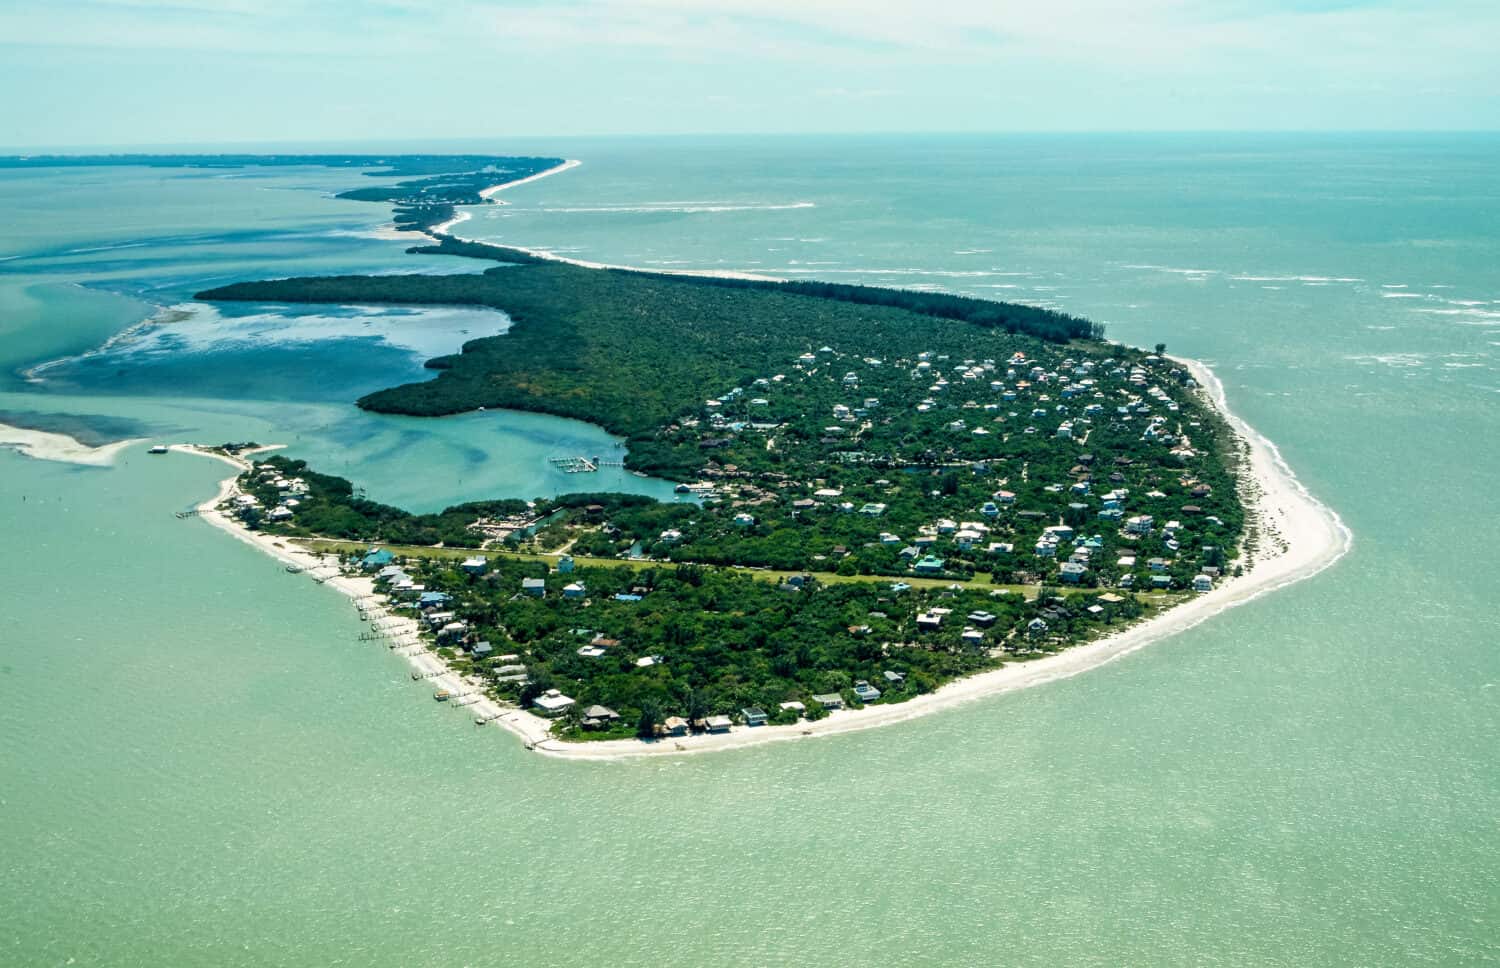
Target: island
[(883, 493)]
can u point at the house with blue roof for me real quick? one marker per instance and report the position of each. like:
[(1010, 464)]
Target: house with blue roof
[(376, 558), (929, 565)]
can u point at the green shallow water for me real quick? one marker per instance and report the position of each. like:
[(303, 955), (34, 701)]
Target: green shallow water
[(201, 764)]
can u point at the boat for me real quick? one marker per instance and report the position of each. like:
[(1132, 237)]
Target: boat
[(158, 449), (442, 695), (294, 569)]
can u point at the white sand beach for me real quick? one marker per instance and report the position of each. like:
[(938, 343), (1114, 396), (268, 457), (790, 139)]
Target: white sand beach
[(1297, 536), (445, 228), (493, 190), (442, 227), (60, 447), (583, 263), (398, 632)]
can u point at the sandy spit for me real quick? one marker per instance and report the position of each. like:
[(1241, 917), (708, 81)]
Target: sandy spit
[(60, 447)]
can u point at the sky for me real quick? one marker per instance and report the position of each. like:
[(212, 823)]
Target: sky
[(87, 73)]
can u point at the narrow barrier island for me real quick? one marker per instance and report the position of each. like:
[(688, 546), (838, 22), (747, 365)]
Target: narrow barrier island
[(881, 492)]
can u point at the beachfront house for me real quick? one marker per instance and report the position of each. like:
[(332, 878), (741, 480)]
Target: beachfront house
[(830, 700), (866, 692), (552, 703), (376, 558), (1203, 583), (675, 726), (599, 717), (754, 716), (717, 724)]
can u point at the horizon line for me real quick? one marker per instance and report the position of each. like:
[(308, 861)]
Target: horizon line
[(190, 146)]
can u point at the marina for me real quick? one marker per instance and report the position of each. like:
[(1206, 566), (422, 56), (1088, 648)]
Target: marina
[(575, 465)]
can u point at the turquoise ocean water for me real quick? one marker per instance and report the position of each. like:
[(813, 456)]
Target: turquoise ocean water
[(201, 764)]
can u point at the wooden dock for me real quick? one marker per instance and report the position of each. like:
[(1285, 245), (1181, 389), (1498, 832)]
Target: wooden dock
[(575, 465)]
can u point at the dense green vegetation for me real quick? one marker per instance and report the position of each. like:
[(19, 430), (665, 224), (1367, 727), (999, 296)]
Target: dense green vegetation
[(331, 507), (833, 436), (627, 351), (1044, 324), (845, 430), (719, 641)]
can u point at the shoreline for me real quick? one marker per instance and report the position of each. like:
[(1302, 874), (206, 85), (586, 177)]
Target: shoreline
[(1294, 536), (438, 232), (493, 190), (398, 632), (1297, 537), (488, 194)]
